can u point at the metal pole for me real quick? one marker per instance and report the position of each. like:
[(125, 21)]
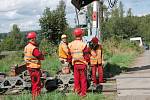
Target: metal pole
[(77, 17), (89, 29), (95, 30)]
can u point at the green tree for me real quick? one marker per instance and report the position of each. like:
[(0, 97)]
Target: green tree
[(16, 36), (115, 12), (121, 11), (119, 25), (15, 29), (129, 13), (143, 26), (13, 40), (53, 23)]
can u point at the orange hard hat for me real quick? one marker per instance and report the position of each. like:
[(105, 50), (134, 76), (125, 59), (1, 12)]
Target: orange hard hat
[(95, 40), (78, 32), (31, 35)]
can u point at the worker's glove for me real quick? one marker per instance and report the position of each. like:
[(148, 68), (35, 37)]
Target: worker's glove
[(103, 62)]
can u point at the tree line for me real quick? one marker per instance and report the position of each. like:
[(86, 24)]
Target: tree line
[(116, 23), (125, 25)]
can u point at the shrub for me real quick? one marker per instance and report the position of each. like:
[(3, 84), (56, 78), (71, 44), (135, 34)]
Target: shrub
[(48, 48), (115, 46)]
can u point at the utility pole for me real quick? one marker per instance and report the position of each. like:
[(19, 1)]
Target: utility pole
[(95, 19)]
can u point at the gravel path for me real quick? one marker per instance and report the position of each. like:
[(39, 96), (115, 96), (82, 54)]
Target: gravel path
[(135, 84)]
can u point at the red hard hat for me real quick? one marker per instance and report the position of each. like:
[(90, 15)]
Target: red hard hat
[(78, 32), (95, 40), (31, 35)]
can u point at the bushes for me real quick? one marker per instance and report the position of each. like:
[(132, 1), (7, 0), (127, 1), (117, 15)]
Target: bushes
[(119, 54), (48, 48), (115, 46)]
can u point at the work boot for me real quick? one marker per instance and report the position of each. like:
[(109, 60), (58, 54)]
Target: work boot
[(99, 88)]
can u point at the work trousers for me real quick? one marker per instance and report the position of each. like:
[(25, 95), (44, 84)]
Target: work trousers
[(35, 74), (80, 79), (100, 73)]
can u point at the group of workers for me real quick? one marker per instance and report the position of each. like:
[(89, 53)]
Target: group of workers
[(80, 55), (76, 53)]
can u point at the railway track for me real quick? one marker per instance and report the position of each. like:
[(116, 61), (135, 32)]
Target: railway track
[(108, 88), (112, 85)]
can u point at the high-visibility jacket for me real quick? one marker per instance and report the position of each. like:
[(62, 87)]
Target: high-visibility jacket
[(31, 61), (76, 49), (63, 50), (96, 56)]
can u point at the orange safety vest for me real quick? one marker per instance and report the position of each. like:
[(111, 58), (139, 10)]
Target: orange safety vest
[(76, 48), (30, 60), (63, 50), (96, 56)]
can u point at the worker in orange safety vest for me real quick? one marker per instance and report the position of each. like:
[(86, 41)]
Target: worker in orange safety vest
[(32, 58), (96, 61), (80, 58), (63, 54)]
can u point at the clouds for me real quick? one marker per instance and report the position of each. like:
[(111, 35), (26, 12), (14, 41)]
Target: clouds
[(25, 13), (139, 7), (8, 5)]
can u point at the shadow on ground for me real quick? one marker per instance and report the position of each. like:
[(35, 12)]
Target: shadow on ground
[(111, 70), (139, 68)]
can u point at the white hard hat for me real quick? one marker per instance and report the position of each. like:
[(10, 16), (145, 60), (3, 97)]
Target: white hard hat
[(63, 36)]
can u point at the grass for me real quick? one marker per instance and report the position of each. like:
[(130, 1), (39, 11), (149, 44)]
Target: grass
[(10, 60), (51, 64), (118, 63), (124, 59), (119, 54), (56, 96)]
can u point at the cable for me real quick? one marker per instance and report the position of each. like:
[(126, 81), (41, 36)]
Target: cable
[(112, 4)]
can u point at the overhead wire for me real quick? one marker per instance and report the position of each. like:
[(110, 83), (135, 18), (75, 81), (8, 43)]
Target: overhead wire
[(112, 3)]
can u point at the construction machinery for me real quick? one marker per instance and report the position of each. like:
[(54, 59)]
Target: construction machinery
[(18, 79)]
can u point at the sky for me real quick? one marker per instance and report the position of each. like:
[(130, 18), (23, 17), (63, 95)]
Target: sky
[(26, 13)]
